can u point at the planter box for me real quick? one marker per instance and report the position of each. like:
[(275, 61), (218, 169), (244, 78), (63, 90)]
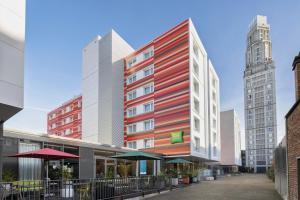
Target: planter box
[(186, 180), (174, 181), (195, 179), (68, 190)]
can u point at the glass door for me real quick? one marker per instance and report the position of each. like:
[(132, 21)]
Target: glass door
[(105, 167)]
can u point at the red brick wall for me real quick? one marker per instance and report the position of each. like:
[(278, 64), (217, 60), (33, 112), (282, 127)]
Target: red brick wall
[(293, 149), (297, 80)]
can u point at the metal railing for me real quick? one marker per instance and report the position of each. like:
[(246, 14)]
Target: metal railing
[(84, 189)]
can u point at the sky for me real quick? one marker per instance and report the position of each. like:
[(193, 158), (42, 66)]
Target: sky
[(57, 31)]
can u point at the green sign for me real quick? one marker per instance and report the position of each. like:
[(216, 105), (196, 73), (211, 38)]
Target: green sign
[(177, 137)]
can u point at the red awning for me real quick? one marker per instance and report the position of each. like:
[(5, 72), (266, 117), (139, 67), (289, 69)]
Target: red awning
[(46, 154)]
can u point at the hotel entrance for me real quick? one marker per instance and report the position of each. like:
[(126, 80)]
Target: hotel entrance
[(105, 167)]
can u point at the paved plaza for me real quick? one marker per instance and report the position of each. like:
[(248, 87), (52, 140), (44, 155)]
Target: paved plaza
[(243, 187)]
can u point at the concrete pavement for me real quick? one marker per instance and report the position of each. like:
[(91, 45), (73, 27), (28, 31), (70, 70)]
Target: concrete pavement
[(243, 187)]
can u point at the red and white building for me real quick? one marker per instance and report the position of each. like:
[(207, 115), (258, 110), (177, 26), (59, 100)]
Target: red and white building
[(172, 90), (163, 97), (66, 119)]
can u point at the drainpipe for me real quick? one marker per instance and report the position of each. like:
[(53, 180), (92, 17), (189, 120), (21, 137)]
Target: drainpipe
[(1, 149)]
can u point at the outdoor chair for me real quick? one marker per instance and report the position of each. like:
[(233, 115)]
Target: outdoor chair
[(9, 190), (85, 191)]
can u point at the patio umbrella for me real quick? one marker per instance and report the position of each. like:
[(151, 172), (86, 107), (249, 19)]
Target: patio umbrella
[(137, 155), (178, 161), (46, 154)]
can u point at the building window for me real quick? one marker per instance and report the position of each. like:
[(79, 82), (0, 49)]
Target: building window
[(214, 96), (54, 125), (196, 50), (214, 137), (214, 123), (214, 82), (131, 144), (148, 143), (68, 109), (196, 105), (131, 128), (68, 131), (215, 151), (148, 71), (79, 104), (196, 87), (148, 125), (131, 78), (215, 110), (197, 142), (131, 95), (148, 107), (148, 53), (67, 120), (131, 112), (148, 89), (196, 124), (131, 62), (196, 68)]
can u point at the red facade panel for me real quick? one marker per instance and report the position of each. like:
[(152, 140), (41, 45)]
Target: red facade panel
[(171, 91), (66, 119)]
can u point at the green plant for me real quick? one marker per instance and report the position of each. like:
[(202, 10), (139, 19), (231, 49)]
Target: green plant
[(195, 173), (172, 173), (160, 173), (110, 173), (8, 176), (66, 173), (124, 169), (270, 173)]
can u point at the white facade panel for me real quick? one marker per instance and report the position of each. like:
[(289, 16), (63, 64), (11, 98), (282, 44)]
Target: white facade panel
[(90, 92), (12, 36), (230, 138), (103, 89), (201, 72)]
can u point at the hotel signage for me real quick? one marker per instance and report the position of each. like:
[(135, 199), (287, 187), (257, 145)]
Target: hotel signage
[(177, 137)]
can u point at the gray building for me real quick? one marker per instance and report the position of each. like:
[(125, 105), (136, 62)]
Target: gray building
[(260, 97)]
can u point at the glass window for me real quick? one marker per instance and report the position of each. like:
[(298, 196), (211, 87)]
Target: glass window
[(131, 128), (131, 112), (214, 96), (196, 105), (131, 62), (197, 141), (148, 71), (132, 144), (214, 123), (147, 143), (196, 124), (148, 107), (196, 68), (148, 125), (148, 89), (148, 53), (132, 95), (214, 110), (196, 86), (215, 151), (131, 79), (214, 137)]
